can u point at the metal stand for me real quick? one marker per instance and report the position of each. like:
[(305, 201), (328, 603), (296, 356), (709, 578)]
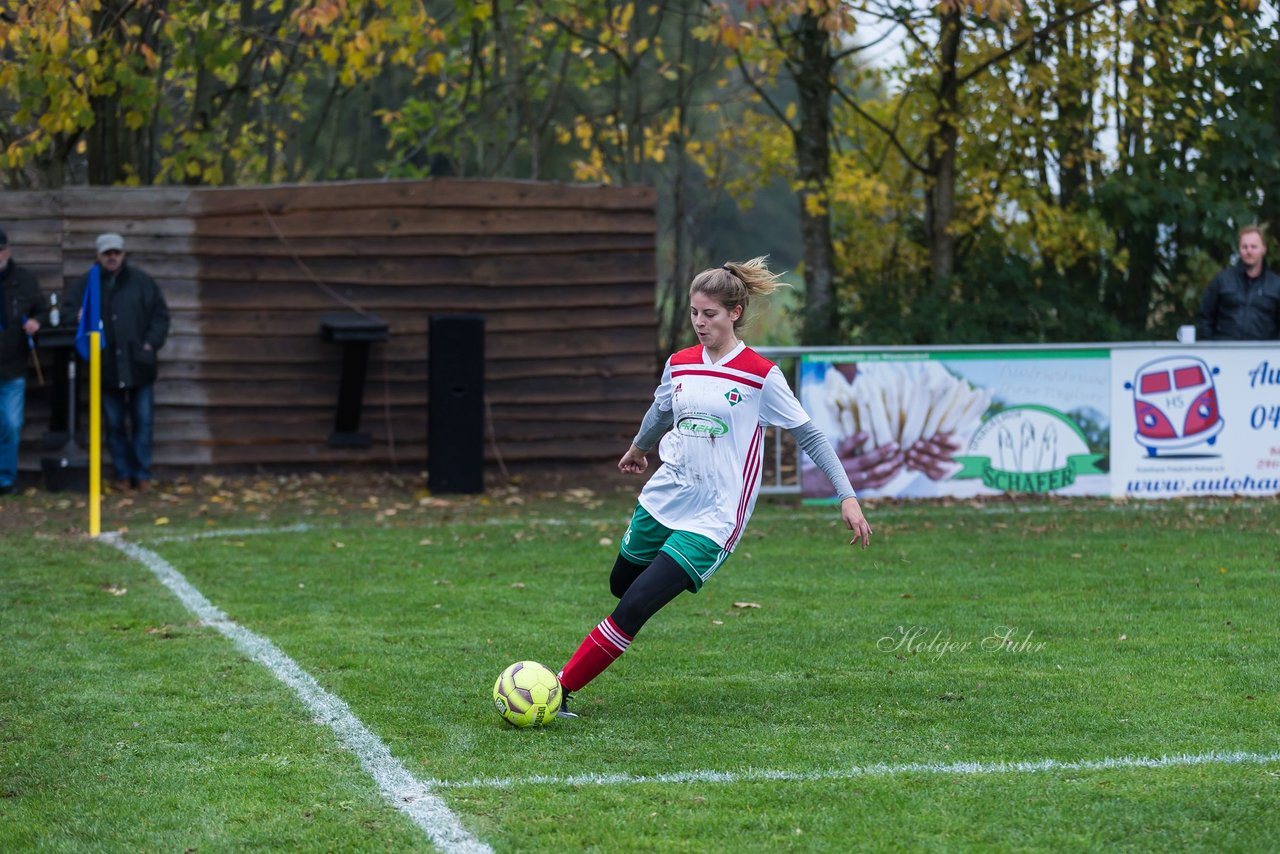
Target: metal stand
[(65, 468), (356, 332)]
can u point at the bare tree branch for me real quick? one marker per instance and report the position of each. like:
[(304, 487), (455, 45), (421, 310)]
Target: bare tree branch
[(889, 133), (1025, 40)]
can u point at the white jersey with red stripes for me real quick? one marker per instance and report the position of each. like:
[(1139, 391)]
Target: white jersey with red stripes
[(712, 457)]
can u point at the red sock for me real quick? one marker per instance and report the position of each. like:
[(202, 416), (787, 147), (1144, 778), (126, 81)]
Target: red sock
[(599, 649)]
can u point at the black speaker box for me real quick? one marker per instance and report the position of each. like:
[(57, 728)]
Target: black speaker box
[(455, 404)]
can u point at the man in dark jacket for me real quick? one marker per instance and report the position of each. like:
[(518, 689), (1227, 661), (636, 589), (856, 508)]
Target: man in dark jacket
[(1242, 302), (21, 310), (135, 323)]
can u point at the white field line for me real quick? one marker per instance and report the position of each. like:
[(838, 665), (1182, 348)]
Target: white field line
[(406, 793), (230, 532), (862, 771)]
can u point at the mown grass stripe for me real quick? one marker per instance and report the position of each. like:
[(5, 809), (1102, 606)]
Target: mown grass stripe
[(751, 775), (815, 508), (405, 792)]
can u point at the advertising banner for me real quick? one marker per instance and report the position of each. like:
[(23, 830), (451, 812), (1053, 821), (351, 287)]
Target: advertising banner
[(1195, 422), (962, 423)]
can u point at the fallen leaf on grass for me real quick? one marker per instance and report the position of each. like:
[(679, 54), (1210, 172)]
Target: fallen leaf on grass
[(162, 520), (114, 590), (745, 605)]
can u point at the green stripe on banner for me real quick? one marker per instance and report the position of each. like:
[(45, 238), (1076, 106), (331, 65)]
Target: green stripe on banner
[(1028, 481), (956, 356)]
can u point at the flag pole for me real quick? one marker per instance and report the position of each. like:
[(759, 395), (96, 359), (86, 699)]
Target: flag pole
[(95, 434)]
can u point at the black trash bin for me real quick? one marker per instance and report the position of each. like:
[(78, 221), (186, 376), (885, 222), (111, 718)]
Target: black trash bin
[(455, 406)]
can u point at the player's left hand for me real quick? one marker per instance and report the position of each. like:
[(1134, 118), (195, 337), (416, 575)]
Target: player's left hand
[(633, 461), (856, 522)]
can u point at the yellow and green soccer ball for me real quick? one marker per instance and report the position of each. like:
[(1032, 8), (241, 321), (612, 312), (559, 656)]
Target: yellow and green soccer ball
[(527, 694)]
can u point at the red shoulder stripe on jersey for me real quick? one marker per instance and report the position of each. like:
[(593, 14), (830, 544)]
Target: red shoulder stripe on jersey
[(688, 356), (751, 362), (712, 372)]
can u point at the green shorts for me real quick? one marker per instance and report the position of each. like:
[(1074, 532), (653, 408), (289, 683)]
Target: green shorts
[(646, 536)]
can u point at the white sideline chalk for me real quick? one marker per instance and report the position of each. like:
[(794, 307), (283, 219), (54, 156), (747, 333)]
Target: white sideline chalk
[(751, 775), (406, 793), (230, 532)]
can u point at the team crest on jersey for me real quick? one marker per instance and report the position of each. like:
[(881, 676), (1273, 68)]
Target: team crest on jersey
[(733, 396)]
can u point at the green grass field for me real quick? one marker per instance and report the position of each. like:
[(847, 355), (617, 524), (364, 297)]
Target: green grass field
[(810, 697)]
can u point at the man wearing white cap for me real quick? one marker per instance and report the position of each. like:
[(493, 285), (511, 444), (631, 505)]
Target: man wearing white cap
[(126, 305)]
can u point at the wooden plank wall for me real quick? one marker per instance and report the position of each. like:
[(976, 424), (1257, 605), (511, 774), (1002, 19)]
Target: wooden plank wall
[(563, 275)]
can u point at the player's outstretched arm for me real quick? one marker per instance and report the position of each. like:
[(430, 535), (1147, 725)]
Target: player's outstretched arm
[(812, 441), (633, 461), (851, 512)]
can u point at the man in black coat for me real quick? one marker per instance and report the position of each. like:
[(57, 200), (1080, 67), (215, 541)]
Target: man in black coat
[(1242, 302), (21, 310), (135, 323)]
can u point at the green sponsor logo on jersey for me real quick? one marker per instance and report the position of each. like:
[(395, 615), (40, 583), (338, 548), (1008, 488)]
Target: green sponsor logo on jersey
[(702, 424)]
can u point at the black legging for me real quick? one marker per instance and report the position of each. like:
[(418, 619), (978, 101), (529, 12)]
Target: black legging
[(644, 590)]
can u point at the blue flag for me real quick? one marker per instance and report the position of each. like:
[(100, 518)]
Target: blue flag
[(91, 313)]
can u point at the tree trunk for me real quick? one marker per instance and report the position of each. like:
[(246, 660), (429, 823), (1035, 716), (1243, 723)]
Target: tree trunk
[(52, 166), (1270, 213), (114, 151), (1129, 297), (237, 105), (1074, 109), (940, 204), (813, 160), (673, 307)]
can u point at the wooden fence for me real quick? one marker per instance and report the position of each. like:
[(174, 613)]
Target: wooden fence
[(563, 275)]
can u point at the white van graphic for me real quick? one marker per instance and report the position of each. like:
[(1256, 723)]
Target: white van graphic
[(1175, 404)]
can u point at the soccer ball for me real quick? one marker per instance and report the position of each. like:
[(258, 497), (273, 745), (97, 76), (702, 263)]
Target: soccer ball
[(527, 694)]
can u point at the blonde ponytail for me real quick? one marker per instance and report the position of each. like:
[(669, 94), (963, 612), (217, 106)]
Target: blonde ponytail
[(735, 283)]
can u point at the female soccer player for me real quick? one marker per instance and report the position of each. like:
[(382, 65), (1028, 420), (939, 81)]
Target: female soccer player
[(716, 399)]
